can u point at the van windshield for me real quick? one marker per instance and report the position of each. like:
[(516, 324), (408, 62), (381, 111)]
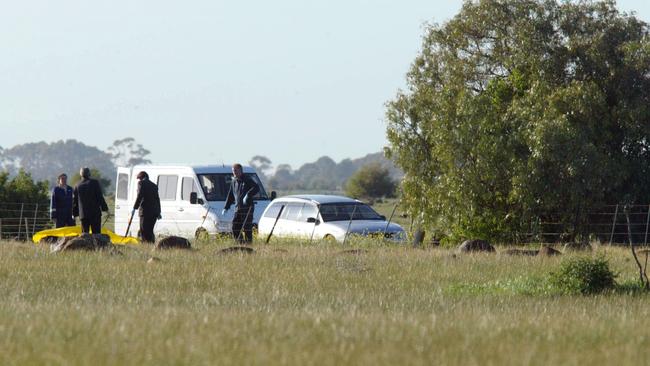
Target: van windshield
[(347, 211), (215, 186)]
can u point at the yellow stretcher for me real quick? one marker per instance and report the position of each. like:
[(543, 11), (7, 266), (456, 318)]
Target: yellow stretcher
[(76, 231)]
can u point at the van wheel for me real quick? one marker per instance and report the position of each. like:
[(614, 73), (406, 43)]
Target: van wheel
[(201, 235)]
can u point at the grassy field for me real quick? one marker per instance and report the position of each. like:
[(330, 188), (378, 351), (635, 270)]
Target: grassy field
[(308, 305)]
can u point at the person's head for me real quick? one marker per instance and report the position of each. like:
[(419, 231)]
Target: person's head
[(84, 172), (237, 171), (62, 179), (142, 175)]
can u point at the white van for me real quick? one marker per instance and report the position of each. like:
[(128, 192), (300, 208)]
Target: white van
[(191, 199)]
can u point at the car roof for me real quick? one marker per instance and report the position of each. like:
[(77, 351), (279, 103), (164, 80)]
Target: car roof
[(320, 198)]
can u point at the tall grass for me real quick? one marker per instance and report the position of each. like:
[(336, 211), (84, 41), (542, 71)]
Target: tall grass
[(291, 303)]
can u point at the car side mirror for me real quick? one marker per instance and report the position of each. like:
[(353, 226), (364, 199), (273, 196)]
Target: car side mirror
[(312, 220), (200, 201), (194, 198), (383, 217), (274, 194)]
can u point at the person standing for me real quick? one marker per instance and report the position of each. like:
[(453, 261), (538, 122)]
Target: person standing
[(148, 205), (61, 203), (88, 203), (241, 193)]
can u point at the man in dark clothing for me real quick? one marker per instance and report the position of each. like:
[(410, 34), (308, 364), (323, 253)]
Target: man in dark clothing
[(148, 205), (61, 203), (241, 193), (88, 203)]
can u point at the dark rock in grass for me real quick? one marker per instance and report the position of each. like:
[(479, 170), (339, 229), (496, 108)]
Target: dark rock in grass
[(577, 247), (546, 251), (476, 245), (527, 252), (353, 251), (237, 249), (83, 242), (173, 242)]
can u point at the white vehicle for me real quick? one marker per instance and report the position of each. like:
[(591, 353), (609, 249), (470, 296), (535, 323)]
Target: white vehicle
[(325, 217), (191, 199)]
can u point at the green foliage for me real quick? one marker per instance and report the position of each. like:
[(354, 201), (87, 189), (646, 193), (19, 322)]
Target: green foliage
[(522, 109), (583, 275), (369, 182), (23, 189), (105, 183)]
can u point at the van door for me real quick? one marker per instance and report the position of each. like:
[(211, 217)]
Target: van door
[(189, 216), (123, 205)]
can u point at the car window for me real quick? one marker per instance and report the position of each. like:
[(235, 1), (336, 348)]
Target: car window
[(216, 186), (187, 187), (309, 210), (167, 185), (273, 210), (292, 211), (347, 211), (122, 186)]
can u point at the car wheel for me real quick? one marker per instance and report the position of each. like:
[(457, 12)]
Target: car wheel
[(329, 238), (201, 235)]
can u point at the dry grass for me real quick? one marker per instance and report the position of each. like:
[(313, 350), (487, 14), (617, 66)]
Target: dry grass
[(302, 305)]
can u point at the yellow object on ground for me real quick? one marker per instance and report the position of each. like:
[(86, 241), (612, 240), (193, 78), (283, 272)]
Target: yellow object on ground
[(76, 231)]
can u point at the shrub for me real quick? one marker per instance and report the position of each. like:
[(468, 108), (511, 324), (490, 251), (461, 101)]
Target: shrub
[(583, 276)]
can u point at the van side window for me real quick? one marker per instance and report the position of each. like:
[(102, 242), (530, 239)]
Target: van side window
[(273, 211), (187, 186), (167, 185), (122, 186)]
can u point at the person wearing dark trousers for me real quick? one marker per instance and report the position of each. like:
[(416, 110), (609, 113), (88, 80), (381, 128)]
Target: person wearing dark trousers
[(61, 203), (241, 193), (88, 203), (148, 205)]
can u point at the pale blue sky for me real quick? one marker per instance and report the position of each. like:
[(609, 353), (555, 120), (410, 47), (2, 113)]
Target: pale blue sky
[(211, 81)]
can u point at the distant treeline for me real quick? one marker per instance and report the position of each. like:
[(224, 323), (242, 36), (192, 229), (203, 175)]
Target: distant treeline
[(45, 161)]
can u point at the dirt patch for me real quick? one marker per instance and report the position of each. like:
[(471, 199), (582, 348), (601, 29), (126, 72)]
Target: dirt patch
[(546, 251), (237, 249), (353, 252), (520, 252)]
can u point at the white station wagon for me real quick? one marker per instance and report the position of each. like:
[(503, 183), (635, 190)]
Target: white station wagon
[(325, 217)]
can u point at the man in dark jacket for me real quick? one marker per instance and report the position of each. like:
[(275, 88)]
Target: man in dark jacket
[(148, 205), (88, 203), (241, 193), (61, 203)]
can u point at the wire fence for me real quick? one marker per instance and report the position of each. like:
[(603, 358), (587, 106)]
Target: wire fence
[(19, 221), (613, 224)]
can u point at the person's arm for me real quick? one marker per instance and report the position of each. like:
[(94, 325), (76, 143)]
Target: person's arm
[(252, 191), (230, 197), (53, 204), (100, 197), (75, 202), (139, 198)]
